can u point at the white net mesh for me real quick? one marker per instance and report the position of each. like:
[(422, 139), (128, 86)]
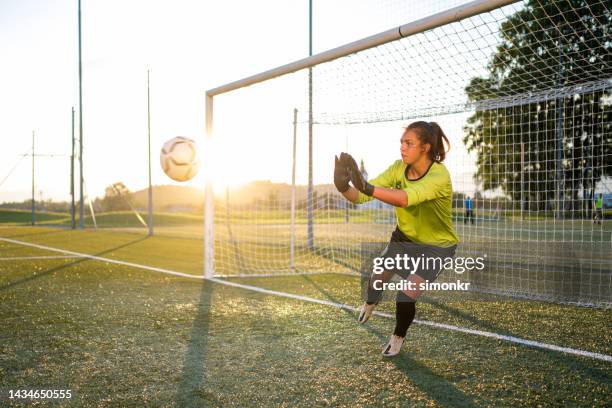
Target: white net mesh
[(523, 92)]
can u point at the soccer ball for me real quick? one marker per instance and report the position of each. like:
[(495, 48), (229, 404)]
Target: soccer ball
[(179, 159)]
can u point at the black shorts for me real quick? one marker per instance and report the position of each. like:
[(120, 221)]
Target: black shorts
[(428, 259)]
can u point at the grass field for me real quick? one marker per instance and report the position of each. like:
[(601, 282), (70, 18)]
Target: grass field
[(121, 335)]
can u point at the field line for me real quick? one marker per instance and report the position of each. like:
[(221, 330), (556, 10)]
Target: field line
[(275, 275), (102, 259), (512, 339)]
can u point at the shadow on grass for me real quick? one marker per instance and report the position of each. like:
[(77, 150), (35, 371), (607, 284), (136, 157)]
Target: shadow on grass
[(437, 388), (67, 265), (580, 364), (453, 311), (189, 392), (557, 358)]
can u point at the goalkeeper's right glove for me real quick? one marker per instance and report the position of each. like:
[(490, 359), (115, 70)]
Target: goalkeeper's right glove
[(341, 176), (359, 182)]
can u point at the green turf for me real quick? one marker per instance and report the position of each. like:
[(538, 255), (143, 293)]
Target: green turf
[(25, 217), (121, 336)]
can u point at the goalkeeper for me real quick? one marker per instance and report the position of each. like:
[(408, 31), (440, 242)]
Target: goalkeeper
[(419, 187)]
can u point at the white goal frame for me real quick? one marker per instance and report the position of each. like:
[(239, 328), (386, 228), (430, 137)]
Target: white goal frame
[(415, 27)]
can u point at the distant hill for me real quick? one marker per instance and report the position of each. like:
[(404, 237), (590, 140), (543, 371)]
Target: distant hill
[(169, 197), (185, 198)]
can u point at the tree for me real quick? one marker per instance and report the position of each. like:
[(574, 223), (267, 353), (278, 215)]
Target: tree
[(273, 199), (565, 132), (117, 197)]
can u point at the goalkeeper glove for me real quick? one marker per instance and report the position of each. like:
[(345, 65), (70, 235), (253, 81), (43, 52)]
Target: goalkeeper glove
[(357, 178), (341, 175)]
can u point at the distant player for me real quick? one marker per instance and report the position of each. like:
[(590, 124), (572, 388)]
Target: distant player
[(419, 187), (468, 205), (598, 216)]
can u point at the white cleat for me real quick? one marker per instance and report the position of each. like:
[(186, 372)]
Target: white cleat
[(393, 346), (366, 312)]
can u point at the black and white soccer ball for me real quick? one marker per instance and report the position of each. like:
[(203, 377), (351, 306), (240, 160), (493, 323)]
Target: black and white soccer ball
[(179, 158)]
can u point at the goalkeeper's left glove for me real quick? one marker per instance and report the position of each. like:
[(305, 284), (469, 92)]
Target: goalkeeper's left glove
[(357, 178), (341, 176)]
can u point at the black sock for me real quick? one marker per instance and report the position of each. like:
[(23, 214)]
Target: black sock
[(404, 315), (373, 296)]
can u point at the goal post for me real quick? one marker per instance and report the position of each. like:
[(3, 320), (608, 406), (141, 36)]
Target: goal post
[(427, 23), (209, 210), (523, 90)]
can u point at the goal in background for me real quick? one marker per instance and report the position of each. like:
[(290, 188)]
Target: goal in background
[(521, 88)]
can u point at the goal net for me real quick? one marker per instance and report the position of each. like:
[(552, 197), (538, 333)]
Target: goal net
[(522, 89)]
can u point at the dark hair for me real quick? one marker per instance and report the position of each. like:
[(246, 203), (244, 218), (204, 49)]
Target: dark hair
[(430, 132)]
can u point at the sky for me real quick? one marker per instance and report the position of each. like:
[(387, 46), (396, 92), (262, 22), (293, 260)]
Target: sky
[(188, 46)]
